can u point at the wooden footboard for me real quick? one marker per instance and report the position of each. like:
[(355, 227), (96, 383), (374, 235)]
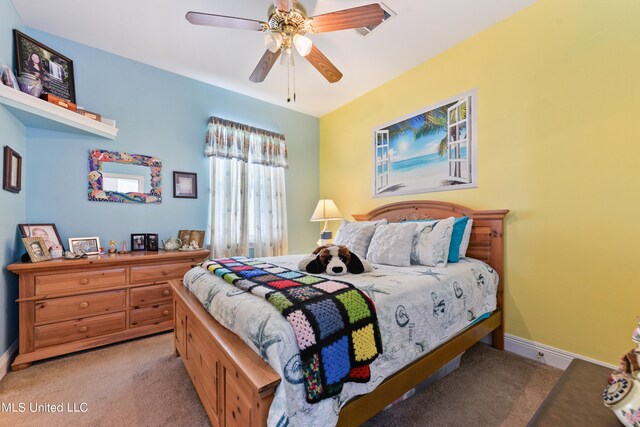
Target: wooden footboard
[(235, 385)]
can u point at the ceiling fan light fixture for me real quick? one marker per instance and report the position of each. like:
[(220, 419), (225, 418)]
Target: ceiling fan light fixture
[(273, 41), (287, 57), (303, 44)]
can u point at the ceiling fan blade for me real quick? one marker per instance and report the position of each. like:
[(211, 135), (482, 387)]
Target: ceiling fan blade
[(322, 64), (363, 16), (283, 5), (264, 66), (198, 18)]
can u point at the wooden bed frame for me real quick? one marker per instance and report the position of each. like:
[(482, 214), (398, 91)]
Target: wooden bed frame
[(236, 386)]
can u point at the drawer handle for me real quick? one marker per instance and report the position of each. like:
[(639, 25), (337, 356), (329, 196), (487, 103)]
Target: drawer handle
[(165, 313), (166, 292), (84, 328), (84, 281), (84, 304)]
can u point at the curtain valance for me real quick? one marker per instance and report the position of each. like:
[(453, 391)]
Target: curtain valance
[(227, 139)]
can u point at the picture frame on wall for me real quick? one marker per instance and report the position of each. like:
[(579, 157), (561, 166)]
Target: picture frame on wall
[(48, 232), (86, 245), (12, 171), (36, 248), (138, 242), (433, 149), (185, 185), (151, 242), (51, 68)]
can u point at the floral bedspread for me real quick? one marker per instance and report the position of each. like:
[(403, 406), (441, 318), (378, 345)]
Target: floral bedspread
[(418, 309)]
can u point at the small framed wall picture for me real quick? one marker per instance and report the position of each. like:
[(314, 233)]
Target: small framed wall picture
[(151, 242), (12, 176), (36, 248), (138, 242), (185, 185), (48, 232), (86, 245)]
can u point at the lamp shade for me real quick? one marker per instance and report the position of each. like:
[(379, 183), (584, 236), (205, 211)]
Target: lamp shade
[(273, 41), (303, 44), (326, 210)]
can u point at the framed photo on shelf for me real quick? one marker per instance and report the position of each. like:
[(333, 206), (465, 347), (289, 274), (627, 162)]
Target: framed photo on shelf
[(151, 242), (53, 69), (48, 232), (185, 185), (138, 242), (87, 245), (12, 175), (36, 248)]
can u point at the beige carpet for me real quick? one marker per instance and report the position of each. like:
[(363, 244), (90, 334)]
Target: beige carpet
[(141, 383)]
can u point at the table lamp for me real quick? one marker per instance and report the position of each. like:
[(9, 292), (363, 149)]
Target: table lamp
[(326, 211)]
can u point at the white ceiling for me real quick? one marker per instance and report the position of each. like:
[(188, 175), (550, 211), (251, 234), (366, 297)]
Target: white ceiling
[(155, 32)]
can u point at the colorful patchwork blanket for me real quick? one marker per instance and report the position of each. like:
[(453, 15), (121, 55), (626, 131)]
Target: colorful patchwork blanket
[(335, 324)]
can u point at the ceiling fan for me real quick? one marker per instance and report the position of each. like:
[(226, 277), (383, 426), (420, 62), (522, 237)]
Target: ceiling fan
[(286, 27)]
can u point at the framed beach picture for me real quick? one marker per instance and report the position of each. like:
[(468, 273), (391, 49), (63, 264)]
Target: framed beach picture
[(431, 150)]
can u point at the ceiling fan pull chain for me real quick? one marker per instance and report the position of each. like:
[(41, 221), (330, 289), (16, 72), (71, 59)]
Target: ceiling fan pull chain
[(294, 84), (288, 83)]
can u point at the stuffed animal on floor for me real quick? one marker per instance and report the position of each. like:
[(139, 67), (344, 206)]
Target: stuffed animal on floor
[(334, 260)]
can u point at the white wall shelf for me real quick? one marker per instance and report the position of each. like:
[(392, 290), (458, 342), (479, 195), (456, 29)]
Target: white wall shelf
[(37, 113)]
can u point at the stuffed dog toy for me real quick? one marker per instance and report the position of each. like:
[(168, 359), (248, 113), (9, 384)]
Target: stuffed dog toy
[(334, 260)]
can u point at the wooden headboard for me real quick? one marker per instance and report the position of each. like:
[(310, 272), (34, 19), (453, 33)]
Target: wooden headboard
[(486, 242)]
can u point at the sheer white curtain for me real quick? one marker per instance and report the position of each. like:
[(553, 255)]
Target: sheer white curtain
[(248, 196)]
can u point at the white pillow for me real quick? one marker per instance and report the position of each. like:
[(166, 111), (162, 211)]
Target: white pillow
[(431, 243), (391, 244), (464, 244), (357, 235)]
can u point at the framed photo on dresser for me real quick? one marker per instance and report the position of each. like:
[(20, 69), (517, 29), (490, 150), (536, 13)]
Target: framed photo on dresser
[(48, 232), (36, 248), (151, 242), (87, 245), (138, 242)]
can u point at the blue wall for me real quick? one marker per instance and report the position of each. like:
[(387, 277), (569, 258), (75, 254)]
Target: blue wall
[(159, 114), (163, 115), (12, 206)]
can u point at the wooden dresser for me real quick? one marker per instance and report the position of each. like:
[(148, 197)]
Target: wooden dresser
[(71, 305)]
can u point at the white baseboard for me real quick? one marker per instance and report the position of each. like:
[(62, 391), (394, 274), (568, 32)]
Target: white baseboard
[(542, 353), (6, 358)]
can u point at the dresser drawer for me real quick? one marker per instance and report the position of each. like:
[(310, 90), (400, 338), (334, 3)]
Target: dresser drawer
[(162, 313), (156, 273), (79, 306), (153, 294), (78, 282), (74, 330)]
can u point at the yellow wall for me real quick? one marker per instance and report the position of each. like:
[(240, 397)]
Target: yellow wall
[(558, 122)]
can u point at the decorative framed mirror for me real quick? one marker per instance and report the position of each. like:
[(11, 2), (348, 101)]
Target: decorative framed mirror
[(124, 178)]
